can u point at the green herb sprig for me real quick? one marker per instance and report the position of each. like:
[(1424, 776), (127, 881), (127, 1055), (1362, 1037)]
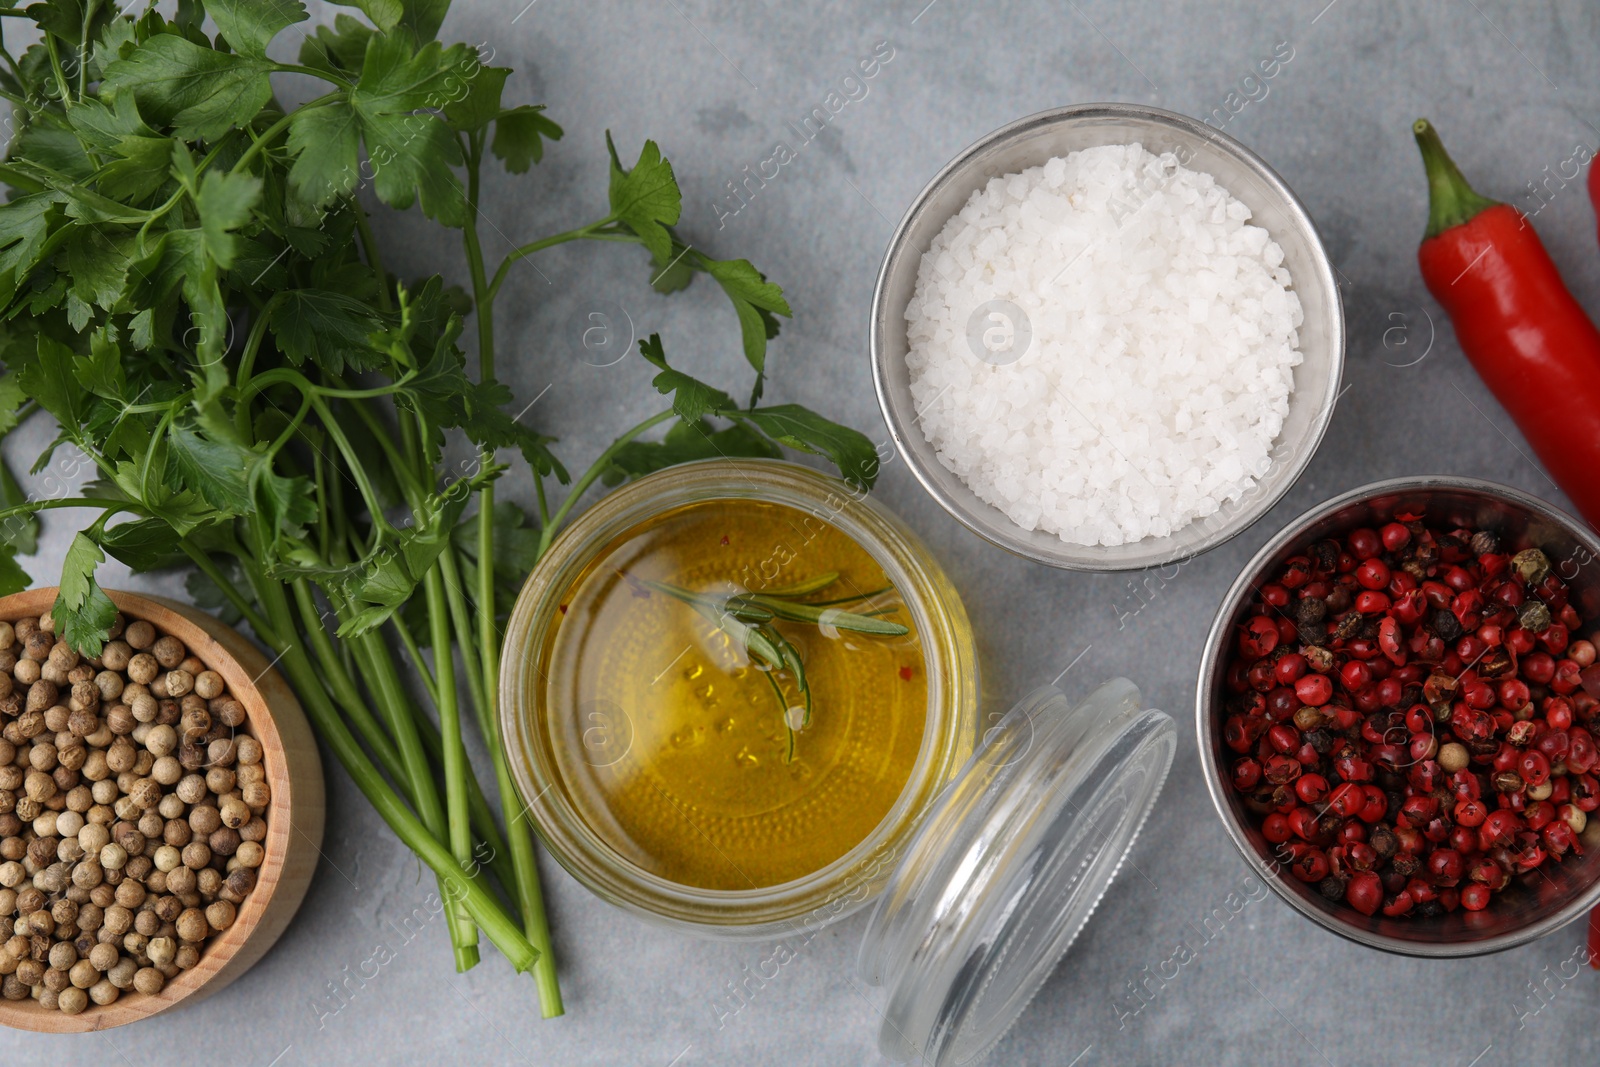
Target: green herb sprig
[(191, 288), (748, 620)]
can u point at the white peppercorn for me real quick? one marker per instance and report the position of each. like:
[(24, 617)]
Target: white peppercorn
[(161, 950), (73, 1000), (149, 981), (82, 974), (121, 973)]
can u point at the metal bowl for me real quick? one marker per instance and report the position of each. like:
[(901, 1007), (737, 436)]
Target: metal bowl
[(1031, 142), (1528, 908)]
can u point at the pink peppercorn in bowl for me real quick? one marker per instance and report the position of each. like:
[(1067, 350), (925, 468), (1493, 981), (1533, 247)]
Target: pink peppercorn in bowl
[(1526, 903)]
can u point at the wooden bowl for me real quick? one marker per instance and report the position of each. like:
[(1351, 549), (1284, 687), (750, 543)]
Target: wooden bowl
[(294, 816)]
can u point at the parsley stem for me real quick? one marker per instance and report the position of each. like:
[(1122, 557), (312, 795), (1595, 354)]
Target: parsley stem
[(358, 473), (370, 246), (547, 534), (109, 507), (583, 232), (55, 65), (257, 623), (456, 883), (455, 753), (530, 895), (378, 669), (260, 142), (83, 49)]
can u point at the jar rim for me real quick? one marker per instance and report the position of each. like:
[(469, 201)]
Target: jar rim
[(853, 879)]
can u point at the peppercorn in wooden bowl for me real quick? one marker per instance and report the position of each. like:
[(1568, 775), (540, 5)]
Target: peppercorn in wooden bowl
[(261, 784), (1412, 762)]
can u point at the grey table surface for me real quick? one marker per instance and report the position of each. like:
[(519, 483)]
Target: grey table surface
[(717, 84)]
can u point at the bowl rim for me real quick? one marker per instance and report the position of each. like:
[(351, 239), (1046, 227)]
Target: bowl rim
[(999, 530), (1205, 719), (275, 874)]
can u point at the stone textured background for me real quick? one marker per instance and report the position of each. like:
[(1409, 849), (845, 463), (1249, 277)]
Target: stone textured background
[(714, 82)]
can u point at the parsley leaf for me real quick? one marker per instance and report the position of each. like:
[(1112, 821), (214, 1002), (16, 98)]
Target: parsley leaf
[(797, 427), (385, 14), (646, 198), (691, 398), (411, 150), (519, 137), (685, 443), (217, 470), (20, 532), (199, 92), (224, 202), (13, 579), (143, 544), (325, 328), (758, 303), (83, 613), (481, 103), (325, 142), (803, 429), (250, 25)]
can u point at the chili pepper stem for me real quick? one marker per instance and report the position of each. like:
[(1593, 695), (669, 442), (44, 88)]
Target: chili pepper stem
[(1451, 200)]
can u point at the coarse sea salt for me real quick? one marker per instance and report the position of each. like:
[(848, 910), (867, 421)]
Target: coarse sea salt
[(1102, 346)]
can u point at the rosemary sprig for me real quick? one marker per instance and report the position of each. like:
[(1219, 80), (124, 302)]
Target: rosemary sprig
[(748, 618)]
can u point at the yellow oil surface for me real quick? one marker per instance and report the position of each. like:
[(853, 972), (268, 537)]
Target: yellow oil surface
[(672, 744)]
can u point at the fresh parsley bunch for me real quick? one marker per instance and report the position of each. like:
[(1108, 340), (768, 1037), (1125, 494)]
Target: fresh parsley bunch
[(190, 288)]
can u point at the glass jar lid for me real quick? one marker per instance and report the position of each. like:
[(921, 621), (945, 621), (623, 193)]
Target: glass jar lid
[(1016, 853)]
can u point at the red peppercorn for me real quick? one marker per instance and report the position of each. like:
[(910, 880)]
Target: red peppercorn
[(1498, 830), (1513, 693), (1311, 867), (1355, 675), (1475, 897), (1374, 804), (1303, 821), (1290, 667), (1364, 892), (1246, 773), (1347, 800), (1311, 788), (1470, 812), (1284, 738), (1539, 814), (1364, 543), (1275, 828), (1258, 637), (1372, 602), (1538, 667), (1444, 866), (1581, 755), (1314, 689), (1395, 536), (1275, 595), (1372, 574), (1534, 767), (1558, 713), (1568, 676)]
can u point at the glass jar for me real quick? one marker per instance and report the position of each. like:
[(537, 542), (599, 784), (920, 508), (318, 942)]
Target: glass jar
[(985, 869), (532, 728)]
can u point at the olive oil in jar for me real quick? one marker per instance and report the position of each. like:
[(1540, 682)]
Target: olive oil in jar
[(669, 737)]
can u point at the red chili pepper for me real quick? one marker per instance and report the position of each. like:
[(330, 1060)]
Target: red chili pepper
[(1526, 336), (1594, 198)]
